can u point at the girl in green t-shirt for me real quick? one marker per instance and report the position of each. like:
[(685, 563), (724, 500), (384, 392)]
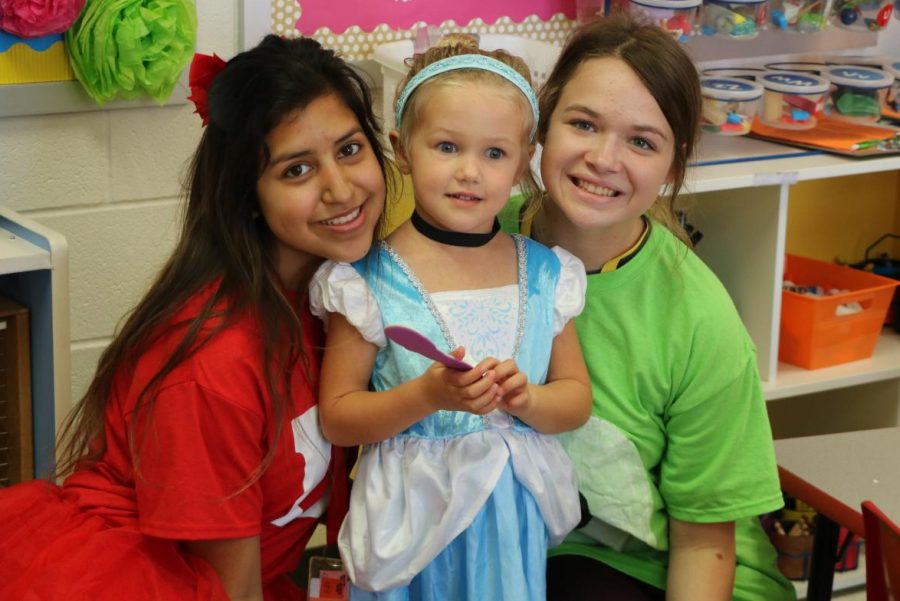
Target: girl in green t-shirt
[(677, 461)]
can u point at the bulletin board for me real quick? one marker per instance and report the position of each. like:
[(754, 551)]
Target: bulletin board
[(355, 26)]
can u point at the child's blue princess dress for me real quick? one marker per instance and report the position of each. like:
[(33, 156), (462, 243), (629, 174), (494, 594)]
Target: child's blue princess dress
[(458, 506)]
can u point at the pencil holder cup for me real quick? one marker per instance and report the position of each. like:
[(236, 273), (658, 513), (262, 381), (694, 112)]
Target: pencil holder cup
[(799, 16), (862, 15), (857, 93), (733, 19), (677, 17), (792, 100), (892, 102), (729, 104)]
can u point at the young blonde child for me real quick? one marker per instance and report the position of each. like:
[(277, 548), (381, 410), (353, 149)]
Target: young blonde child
[(459, 490)]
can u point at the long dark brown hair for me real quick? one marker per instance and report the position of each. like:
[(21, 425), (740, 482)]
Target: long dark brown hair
[(662, 65), (222, 241)]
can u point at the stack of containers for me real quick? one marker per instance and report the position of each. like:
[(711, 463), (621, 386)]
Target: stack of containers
[(733, 19), (799, 16), (729, 104), (792, 100), (678, 17), (858, 94)]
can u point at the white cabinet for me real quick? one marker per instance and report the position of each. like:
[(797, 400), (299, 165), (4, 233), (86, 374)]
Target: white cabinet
[(741, 206), (34, 273)]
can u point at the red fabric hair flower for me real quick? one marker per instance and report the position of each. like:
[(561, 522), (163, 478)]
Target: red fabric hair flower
[(204, 69)]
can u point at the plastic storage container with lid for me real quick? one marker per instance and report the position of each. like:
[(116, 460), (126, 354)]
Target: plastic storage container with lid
[(857, 93), (733, 19), (892, 102), (729, 104), (799, 16), (862, 15), (678, 17), (792, 100)]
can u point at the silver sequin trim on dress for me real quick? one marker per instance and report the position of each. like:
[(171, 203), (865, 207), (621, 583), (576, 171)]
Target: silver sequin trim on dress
[(522, 258)]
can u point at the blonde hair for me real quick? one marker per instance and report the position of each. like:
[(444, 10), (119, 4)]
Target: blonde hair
[(460, 44)]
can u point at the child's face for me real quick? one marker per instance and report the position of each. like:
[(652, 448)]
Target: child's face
[(608, 147), (467, 149), (322, 191)]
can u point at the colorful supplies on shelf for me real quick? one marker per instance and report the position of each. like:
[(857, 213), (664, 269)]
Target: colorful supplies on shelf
[(674, 16), (799, 16), (862, 15), (858, 94), (815, 331), (835, 135), (729, 104), (733, 19), (792, 100)]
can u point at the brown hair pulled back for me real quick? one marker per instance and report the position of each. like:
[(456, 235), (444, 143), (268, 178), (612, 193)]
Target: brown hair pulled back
[(662, 65)]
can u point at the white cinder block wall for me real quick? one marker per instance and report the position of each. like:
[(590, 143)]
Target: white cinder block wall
[(110, 182)]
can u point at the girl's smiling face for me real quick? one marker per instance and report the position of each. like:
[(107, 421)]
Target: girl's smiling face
[(323, 190), (608, 148), (468, 147)]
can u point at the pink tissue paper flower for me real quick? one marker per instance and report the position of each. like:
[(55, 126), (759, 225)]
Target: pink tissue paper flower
[(36, 18)]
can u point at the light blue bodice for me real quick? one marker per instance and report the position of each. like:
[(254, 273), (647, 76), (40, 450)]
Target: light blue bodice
[(403, 301)]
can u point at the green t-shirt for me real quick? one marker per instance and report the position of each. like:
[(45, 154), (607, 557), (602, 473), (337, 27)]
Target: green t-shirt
[(680, 425)]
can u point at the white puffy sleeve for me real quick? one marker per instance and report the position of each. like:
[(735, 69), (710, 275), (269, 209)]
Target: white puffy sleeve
[(570, 289), (338, 288)]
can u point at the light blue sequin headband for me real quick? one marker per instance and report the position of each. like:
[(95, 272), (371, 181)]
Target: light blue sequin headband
[(469, 61)]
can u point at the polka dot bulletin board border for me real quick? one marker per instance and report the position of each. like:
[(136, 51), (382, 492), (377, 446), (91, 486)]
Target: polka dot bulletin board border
[(356, 44)]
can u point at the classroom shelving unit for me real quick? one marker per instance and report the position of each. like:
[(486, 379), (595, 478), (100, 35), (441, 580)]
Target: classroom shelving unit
[(34, 273), (742, 190)]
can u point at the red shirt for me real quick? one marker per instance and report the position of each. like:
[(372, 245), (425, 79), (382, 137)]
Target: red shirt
[(206, 434)]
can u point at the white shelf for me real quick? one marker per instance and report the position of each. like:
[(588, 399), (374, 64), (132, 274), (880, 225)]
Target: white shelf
[(44, 98), (884, 364), (18, 254), (747, 162)]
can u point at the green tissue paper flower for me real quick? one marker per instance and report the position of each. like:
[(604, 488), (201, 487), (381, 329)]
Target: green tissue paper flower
[(129, 48)]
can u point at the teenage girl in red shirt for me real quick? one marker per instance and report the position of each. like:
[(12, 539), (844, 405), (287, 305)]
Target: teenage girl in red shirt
[(194, 464)]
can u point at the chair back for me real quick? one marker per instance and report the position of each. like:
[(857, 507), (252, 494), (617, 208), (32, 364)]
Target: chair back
[(882, 555)]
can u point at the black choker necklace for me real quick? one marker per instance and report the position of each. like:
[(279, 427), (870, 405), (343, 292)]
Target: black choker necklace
[(453, 238)]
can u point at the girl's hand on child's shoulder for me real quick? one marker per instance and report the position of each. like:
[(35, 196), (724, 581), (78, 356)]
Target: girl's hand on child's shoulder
[(475, 390), (514, 389)]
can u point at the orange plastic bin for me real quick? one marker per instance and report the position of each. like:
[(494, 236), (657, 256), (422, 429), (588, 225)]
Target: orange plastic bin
[(813, 335)]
